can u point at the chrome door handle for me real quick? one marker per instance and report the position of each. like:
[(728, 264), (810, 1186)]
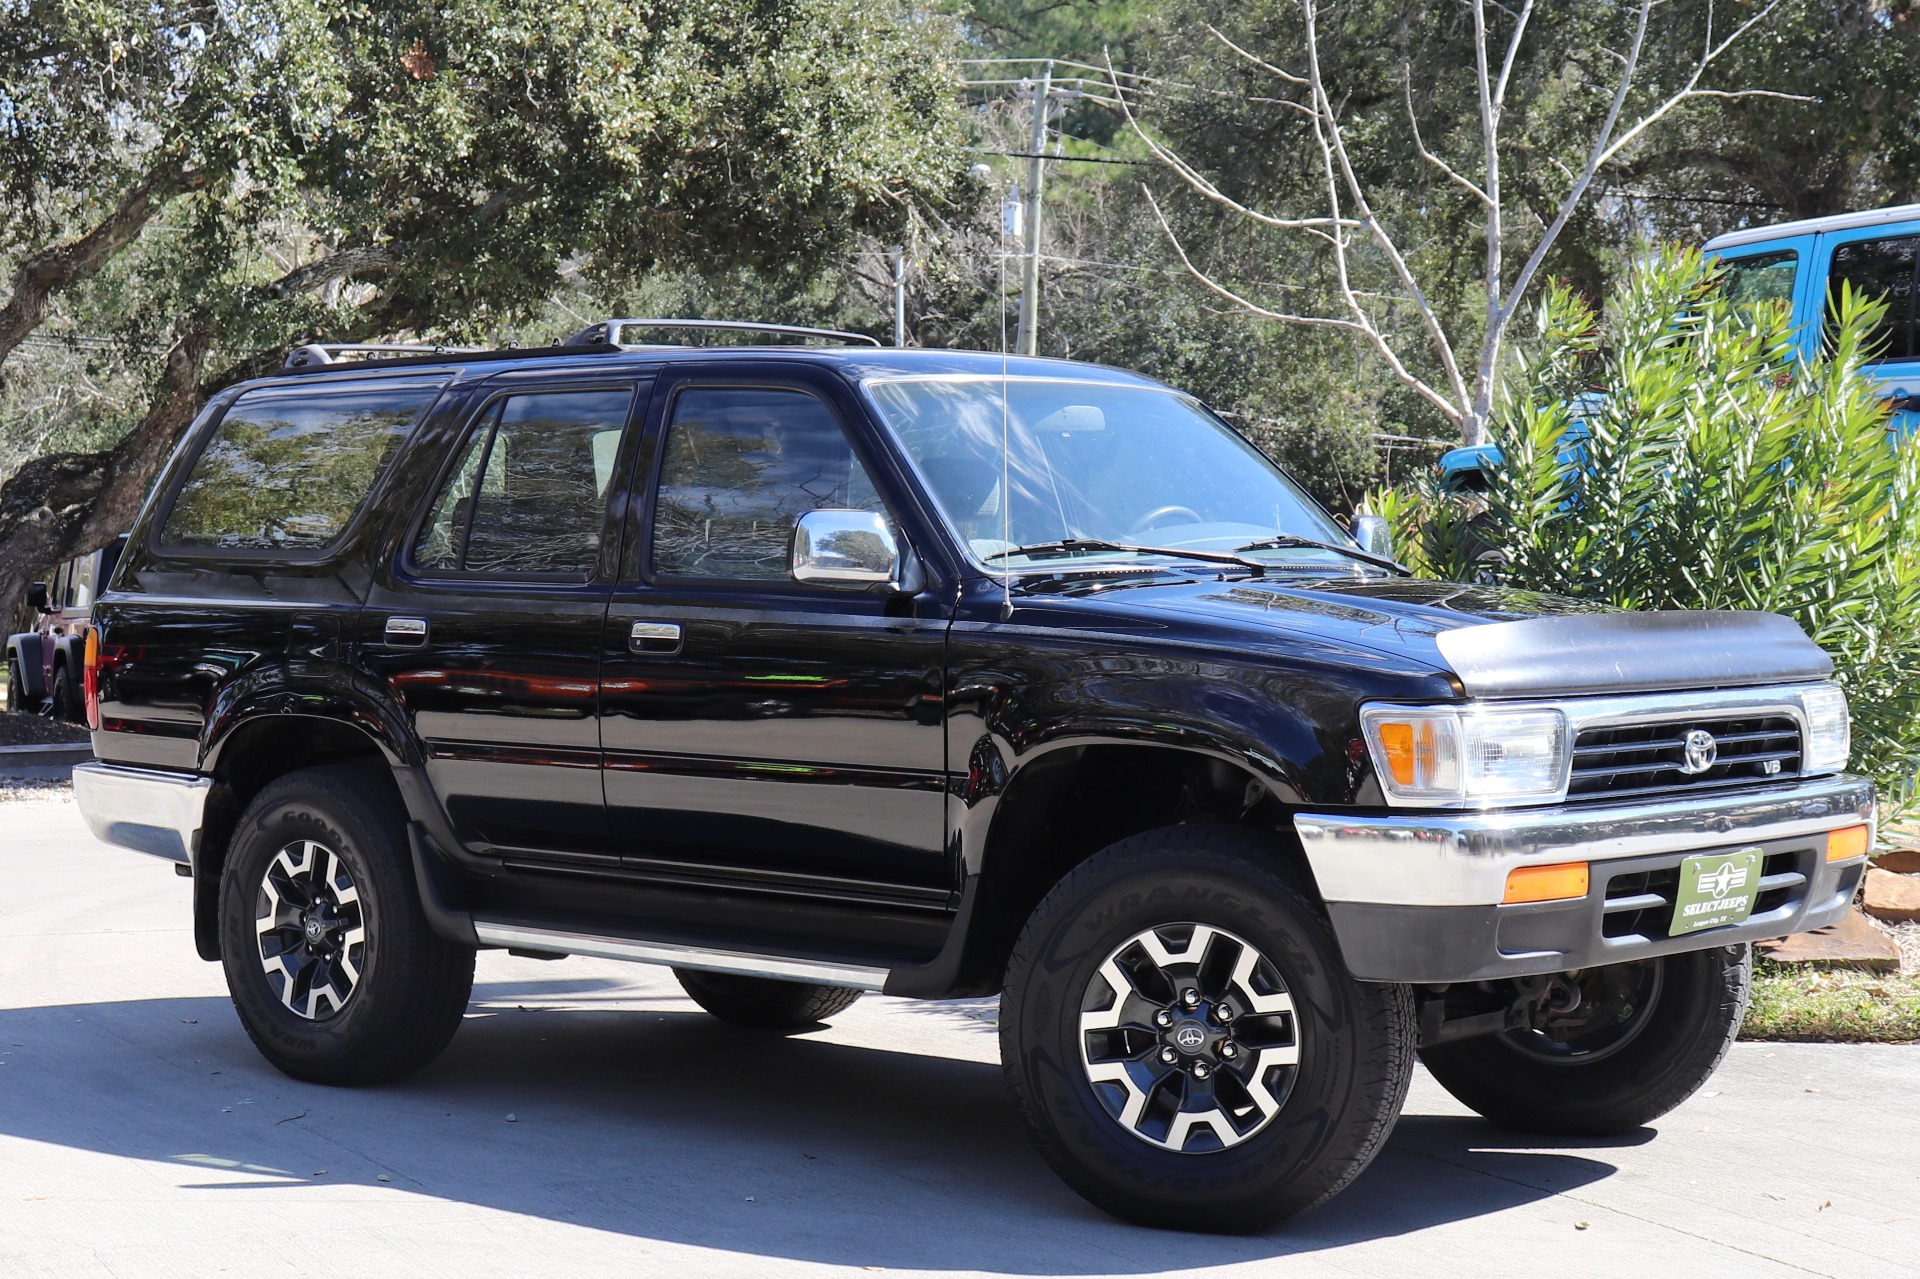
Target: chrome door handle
[(406, 632), (654, 639)]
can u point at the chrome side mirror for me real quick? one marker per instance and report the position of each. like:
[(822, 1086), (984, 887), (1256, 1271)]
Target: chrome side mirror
[(1373, 534), (844, 548)]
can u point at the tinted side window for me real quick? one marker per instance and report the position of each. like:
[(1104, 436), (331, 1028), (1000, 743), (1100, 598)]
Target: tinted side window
[(1761, 277), (287, 467), (1884, 269), (80, 587), (740, 468), (529, 492)]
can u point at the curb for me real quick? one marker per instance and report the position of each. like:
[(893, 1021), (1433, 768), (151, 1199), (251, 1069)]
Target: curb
[(45, 755)]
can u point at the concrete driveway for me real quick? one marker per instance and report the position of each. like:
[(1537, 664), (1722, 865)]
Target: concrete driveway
[(590, 1119)]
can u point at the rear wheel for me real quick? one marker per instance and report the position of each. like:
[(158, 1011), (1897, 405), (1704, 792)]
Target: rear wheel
[(1639, 1039), (335, 973), (66, 700), (1184, 1043), (764, 1003)]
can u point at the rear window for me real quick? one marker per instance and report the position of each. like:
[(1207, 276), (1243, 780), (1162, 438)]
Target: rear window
[(287, 467)]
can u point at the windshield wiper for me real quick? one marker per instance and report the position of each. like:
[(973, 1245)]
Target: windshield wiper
[(1075, 545), (1290, 541)]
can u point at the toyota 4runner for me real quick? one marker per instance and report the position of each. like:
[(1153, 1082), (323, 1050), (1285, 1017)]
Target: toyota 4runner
[(822, 669)]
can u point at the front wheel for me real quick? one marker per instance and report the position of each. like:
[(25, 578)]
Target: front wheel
[(336, 975), (1184, 1043), (1640, 1039), (16, 690)]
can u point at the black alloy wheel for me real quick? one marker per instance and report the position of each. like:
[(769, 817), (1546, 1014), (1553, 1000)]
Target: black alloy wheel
[(333, 968), (1189, 1038), (311, 936), (1184, 1043)]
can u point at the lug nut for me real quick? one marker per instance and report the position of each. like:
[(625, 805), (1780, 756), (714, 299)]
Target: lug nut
[(1190, 997), (1229, 1049), (1222, 1014), (1169, 1056), (1163, 1018), (1200, 1070)]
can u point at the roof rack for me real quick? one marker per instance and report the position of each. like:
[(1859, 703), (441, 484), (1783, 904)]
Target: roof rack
[(305, 357), (610, 331)]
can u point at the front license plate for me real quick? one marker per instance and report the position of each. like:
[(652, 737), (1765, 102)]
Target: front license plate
[(1716, 890)]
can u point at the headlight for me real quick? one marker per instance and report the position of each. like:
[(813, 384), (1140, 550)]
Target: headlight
[(1829, 730), (1449, 756)]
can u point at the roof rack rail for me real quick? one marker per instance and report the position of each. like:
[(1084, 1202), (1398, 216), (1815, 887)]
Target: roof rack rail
[(610, 331), (305, 357)]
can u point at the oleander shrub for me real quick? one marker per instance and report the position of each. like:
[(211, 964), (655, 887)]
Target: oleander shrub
[(1678, 452)]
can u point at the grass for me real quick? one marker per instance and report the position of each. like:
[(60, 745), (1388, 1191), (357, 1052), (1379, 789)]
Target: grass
[(1799, 1004)]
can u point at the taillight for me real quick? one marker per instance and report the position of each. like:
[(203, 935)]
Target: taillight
[(91, 680)]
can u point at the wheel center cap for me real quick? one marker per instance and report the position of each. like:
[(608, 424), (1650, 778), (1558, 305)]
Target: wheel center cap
[(1189, 1036), (314, 929)]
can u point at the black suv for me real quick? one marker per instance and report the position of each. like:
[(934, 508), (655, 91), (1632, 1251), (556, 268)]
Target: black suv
[(822, 669)]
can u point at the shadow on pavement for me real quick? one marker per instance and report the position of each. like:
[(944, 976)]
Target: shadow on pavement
[(670, 1125)]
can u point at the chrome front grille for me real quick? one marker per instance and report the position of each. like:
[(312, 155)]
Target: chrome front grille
[(1618, 761)]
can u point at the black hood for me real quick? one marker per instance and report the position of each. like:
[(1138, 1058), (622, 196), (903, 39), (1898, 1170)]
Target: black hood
[(1493, 641)]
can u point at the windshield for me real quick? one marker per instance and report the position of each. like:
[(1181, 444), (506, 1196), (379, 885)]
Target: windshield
[(1089, 461)]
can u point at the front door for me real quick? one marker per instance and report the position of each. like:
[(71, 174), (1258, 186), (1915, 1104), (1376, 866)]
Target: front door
[(488, 629), (762, 734)]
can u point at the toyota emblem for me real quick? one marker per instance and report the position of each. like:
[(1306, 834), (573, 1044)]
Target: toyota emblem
[(1190, 1037), (1701, 751)]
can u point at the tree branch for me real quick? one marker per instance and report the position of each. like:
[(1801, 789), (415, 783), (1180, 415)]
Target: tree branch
[(40, 275)]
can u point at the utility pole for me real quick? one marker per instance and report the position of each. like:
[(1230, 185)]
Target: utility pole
[(1028, 337), (899, 295)]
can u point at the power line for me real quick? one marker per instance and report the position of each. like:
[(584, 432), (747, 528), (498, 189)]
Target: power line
[(1071, 159)]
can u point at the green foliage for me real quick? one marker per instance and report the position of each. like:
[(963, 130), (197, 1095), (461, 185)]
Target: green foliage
[(1796, 1005), (1681, 454)]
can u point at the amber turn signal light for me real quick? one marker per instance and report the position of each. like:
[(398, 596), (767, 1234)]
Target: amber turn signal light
[(1848, 843), (1554, 883)]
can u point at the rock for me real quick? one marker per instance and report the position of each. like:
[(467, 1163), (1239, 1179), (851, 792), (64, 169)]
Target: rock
[(1853, 944), (1894, 898), (1901, 861)]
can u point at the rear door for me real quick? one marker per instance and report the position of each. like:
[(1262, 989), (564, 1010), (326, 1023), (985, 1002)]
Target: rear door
[(487, 628)]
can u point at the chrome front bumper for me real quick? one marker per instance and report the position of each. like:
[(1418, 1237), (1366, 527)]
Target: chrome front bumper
[(1416, 897), (1463, 858), (141, 808)]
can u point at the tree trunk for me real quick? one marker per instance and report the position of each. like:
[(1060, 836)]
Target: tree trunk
[(66, 504)]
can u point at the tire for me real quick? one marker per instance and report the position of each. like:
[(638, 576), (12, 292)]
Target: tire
[(1353, 1042), (66, 702), (16, 690), (764, 1003), (1641, 1064), (382, 993)]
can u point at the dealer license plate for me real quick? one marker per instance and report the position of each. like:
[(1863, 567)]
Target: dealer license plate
[(1716, 890)]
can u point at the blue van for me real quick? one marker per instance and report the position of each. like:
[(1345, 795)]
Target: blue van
[(1803, 263)]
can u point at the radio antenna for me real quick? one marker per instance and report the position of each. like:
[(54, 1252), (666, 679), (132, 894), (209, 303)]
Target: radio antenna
[(1010, 211)]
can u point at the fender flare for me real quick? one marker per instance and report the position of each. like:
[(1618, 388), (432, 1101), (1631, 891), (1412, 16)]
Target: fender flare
[(993, 771), (25, 648), (71, 649)]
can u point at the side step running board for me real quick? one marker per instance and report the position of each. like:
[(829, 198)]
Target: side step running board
[(554, 942)]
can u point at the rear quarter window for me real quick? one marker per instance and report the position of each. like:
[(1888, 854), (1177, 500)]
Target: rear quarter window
[(286, 468)]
